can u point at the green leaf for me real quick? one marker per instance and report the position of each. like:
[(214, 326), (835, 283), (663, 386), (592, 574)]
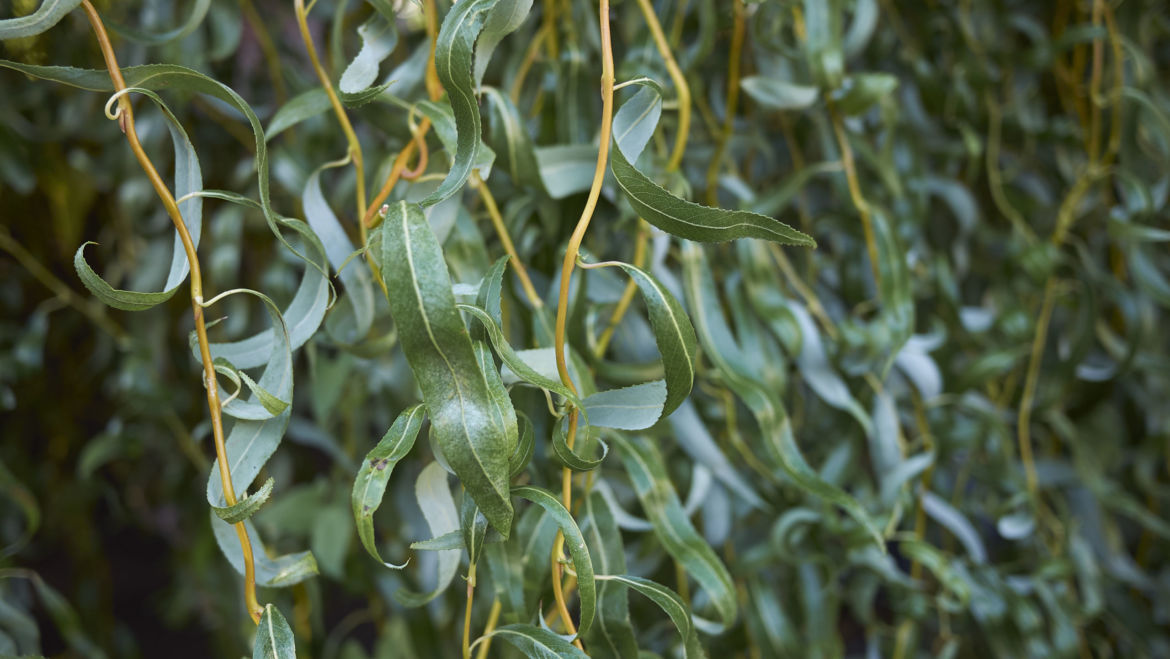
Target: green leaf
[(861, 91), (64, 617), (512, 359), (525, 447), (46, 16), (264, 405), (246, 506), (693, 221), (359, 289), (501, 404), (768, 410), (279, 572), (188, 179), (611, 634), (694, 438), (566, 169), (822, 45), (636, 119), (537, 643), (252, 441), (159, 76), (776, 94), (379, 36), (631, 408), (575, 542), (510, 139), (503, 19), (671, 604), (439, 351), (567, 456), (474, 527), (370, 484), (274, 638), (302, 316), (303, 106), (199, 11), (672, 528), (454, 51), (674, 335), (452, 540), (438, 507)]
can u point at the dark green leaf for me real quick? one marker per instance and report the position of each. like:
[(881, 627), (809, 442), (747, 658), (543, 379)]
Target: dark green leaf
[(370, 484), (692, 221), (274, 638), (438, 348)]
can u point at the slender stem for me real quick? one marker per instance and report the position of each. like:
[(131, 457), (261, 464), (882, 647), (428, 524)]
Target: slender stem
[(355, 148), (493, 618), (502, 231), (681, 88), (550, 27), (434, 87), (731, 106), (467, 613), (574, 246), (570, 261), (1094, 136), (126, 121), (994, 176), (1024, 420), (434, 91), (859, 201), (398, 170)]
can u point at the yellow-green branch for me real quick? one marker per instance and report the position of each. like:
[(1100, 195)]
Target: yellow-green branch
[(125, 115)]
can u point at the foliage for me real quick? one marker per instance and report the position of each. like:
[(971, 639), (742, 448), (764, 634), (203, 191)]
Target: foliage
[(892, 389)]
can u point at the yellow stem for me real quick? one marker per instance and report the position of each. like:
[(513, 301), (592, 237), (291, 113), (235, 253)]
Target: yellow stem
[(434, 87), (126, 121), (859, 201), (680, 85), (550, 27), (994, 176), (493, 618), (1024, 421), (731, 105), (1095, 87), (355, 149), (467, 613), (489, 202), (570, 261)]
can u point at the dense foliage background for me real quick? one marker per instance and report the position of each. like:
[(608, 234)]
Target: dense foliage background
[(971, 358)]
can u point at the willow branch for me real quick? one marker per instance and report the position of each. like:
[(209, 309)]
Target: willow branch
[(125, 116)]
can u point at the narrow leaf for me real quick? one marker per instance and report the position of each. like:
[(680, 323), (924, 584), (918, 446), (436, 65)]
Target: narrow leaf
[(693, 221), (438, 507), (537, 643), (439, 351), (370, 484), (575, 542), (246, 506), (454, 51), (274, 638)]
